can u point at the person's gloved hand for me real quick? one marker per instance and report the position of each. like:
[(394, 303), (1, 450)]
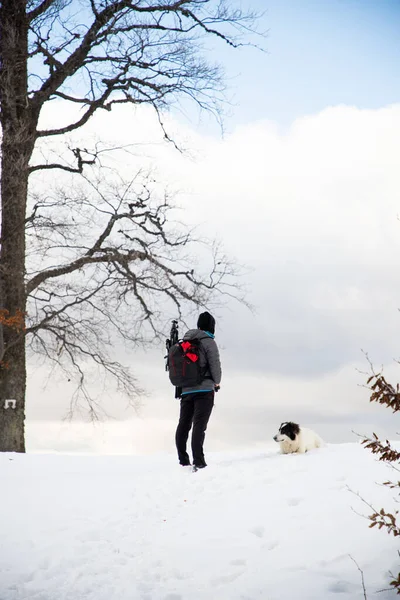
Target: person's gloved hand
[(216, 388)]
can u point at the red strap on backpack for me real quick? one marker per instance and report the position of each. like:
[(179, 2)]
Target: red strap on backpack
[(191, 356)]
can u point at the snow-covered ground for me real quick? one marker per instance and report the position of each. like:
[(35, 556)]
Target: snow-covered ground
[(253, 525)]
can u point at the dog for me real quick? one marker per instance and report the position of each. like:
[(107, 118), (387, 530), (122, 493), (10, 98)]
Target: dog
[(295, 439)]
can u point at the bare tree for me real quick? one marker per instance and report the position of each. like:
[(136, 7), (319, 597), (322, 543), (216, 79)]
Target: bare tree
[(386, 394), (91, 54), (123, 262)]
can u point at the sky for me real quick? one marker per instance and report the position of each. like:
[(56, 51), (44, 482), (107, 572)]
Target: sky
[(319, 54), (302, 189)]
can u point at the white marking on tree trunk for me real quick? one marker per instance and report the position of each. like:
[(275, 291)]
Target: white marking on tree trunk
[(10, 404)]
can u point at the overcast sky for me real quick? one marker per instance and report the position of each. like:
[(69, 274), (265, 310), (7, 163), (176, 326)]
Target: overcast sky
[(304, 190)]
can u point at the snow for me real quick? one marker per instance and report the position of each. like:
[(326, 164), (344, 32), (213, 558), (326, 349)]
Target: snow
[(253, 525)]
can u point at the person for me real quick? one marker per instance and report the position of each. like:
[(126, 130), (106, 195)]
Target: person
[(197, 402)]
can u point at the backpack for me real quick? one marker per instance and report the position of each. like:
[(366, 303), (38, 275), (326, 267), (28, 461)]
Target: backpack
[(184, 364)]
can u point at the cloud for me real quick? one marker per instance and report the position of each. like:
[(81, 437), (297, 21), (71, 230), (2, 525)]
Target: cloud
[(313, 212)]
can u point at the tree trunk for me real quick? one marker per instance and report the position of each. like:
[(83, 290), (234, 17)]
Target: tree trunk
[(17, 145)]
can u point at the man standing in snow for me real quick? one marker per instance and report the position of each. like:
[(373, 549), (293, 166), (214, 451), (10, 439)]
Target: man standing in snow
[(197, 402)]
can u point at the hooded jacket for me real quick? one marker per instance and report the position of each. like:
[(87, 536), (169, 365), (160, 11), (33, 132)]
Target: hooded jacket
[(209, 359)]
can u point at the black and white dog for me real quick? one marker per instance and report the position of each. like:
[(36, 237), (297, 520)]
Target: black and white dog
[(293, 438)]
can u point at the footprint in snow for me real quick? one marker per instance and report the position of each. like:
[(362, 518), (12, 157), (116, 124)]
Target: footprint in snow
[(269, 480), (238, 562), (156, 564), (294, 501), (225, 579), (272, 545), (258, 531), (28, 577)]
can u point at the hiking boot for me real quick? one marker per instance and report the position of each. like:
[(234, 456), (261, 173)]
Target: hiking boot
[(201, 465)]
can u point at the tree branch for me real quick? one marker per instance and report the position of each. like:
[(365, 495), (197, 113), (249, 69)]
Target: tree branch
[(126, 43), (81, 162), (111, 256), (76, 59), (362, 576), (40, 10)]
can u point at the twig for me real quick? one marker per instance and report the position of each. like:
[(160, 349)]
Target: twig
[(362, 576)]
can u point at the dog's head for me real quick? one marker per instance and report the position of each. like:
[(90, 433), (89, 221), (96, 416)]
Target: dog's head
[(287, 431)]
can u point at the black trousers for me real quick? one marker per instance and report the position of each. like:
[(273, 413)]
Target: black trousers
[(195, 410)]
